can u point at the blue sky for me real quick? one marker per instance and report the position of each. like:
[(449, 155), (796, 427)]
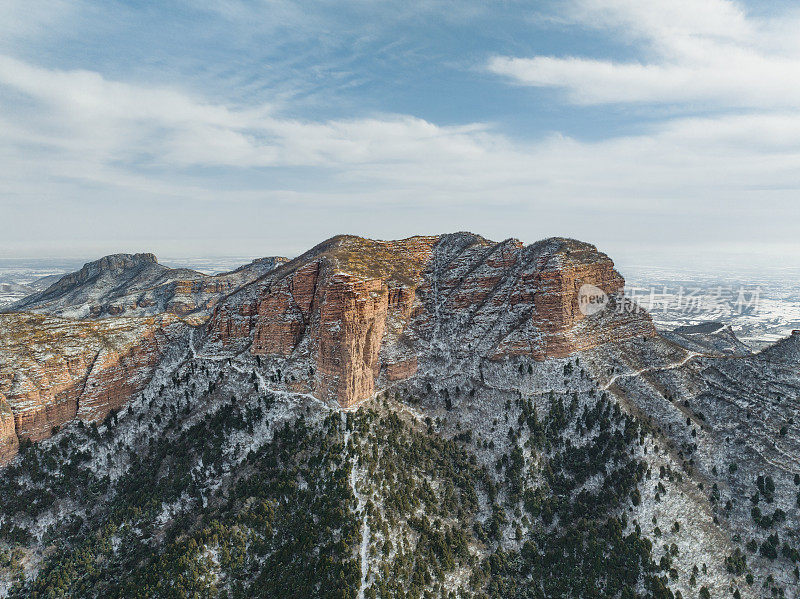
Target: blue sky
[(663, 128)]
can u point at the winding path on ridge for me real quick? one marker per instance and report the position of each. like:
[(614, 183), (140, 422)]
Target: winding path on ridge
[(636, 373)]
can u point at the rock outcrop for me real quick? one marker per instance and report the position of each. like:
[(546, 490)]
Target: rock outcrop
[(708, 338), (9, 442), (53, 370), (353, 311), (785, 351)]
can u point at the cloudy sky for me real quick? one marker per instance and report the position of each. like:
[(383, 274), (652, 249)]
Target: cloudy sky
[(667, 128)]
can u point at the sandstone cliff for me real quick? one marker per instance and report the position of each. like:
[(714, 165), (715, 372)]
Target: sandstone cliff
[(352, 312), (53, 370), (9, 442), (348, 317)]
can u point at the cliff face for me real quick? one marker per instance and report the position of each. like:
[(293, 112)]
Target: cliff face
[(54, 370), (348, 317), (9, 442), (353, 312), (328, 313)]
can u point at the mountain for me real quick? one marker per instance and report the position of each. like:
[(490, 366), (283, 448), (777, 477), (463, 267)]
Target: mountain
[(708, 338), (438, 416), (352, 313), (14, 288), (53, 370), (12, 291), (137, 285)]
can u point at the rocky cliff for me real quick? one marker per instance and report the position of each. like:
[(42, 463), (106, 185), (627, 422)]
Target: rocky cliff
[(348, 317), (518, 416), (53, 370), (352, 312), (9, 442)]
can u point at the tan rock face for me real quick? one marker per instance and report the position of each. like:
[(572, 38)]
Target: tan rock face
[(9, 442), (284, 313), (352, 324), (401, 370), (332, 308), (352, 310), (53, 370)]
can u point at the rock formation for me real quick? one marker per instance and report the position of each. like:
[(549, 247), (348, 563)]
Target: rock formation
[(137, 285), (346, 318), (53, 370), (504, 393), (353, 311), (9, 442), (709, 338)]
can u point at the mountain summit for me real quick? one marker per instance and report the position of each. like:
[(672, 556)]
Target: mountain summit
[(359, 313), (137, 285)]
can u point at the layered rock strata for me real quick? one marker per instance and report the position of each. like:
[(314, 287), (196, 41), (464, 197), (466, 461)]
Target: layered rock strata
[(53, 370), (342, 320), (352, 311)]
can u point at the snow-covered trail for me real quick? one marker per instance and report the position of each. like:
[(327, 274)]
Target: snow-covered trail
[(361, 508), (673, 366)]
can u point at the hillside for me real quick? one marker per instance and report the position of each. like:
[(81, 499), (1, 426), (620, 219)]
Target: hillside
[(430, 417), (137, 285)]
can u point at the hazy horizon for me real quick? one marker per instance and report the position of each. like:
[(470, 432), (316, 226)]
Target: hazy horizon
[(768, 258)]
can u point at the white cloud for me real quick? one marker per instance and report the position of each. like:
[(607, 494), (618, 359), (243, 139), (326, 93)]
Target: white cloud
[(706, 51), (84, 127), (82, 112), (87, 153), (665, 21)]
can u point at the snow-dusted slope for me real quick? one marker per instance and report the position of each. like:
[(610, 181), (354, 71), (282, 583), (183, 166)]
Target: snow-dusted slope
[(137, 285), (712, 338), (624, 465)]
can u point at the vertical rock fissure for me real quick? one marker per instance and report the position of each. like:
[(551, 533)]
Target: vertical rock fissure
[(82, 393)]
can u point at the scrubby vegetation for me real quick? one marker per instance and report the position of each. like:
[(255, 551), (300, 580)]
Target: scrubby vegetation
[(244, 494), (331, 504)]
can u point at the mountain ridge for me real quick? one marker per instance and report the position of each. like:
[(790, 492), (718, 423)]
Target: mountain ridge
[(352, 308), (137, 285), (434, 415)]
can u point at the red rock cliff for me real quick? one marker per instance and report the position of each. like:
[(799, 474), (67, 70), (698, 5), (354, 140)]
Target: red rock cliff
[(53, 370), (353, 310), (9, 442)]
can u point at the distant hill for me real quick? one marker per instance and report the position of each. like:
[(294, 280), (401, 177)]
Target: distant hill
[(708, 338), (136, 285)]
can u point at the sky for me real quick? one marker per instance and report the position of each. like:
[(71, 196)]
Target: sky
[(665, 131)]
